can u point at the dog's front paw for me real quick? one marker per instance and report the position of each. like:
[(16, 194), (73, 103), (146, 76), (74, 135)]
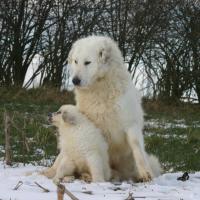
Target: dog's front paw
[(143, 176), (86, 177)]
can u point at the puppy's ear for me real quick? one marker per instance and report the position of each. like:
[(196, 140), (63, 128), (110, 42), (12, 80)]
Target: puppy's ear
[(69, 59), (105, 53), (68, 118)]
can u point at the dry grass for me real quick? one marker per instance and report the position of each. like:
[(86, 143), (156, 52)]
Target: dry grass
[(36, 96), (181, 110)]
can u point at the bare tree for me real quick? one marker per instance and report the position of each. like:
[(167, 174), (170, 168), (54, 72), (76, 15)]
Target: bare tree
[(74, 19), (24, 22), (159, 37)]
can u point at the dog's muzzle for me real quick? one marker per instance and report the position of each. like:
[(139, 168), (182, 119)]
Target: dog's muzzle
[(76, 81)]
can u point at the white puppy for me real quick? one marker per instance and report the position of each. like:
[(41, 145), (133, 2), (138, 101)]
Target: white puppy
[(106, 95), (82, 146)]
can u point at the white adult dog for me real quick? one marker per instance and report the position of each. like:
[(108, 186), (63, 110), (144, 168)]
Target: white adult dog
[(83, 149), (106, 95)]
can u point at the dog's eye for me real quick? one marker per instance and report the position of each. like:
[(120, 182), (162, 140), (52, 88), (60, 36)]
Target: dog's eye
[(59, 112), (87, 62), (76, 61)]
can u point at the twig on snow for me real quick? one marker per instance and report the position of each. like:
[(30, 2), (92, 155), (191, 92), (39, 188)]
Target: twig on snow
[(19, 184), (44, 189), (131, 197), (60, 192), (68, 192)]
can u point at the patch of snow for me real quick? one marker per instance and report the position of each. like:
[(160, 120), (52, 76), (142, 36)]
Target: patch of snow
[(196, 124), (156, 123), (2, 149), (47, 125), (165, 187), (45, 161), (39, 151), (166, 136), (179, 121)]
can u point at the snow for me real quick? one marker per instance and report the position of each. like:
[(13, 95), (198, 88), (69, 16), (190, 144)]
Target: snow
[(165, 187), (166, 136), (157, 123)]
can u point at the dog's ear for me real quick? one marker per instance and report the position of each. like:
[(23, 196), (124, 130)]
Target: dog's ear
[(69, 59), (105, 53), (68, 118)]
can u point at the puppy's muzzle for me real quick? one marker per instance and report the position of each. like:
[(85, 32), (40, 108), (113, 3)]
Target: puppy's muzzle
[(50, 115)]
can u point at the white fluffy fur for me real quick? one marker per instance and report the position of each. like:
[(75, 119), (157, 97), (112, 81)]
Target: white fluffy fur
[(108, 98), (82, 147)]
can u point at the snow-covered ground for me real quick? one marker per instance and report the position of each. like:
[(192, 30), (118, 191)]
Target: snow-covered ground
[(165, 187), (157, 123)]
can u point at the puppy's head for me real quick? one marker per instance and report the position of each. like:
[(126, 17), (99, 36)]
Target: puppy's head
[(66, 115), (90, 58)]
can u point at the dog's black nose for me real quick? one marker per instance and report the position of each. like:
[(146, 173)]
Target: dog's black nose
[(76, 81)]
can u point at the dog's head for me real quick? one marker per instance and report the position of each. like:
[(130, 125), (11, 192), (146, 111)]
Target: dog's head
[(90, 58), (67, 114)]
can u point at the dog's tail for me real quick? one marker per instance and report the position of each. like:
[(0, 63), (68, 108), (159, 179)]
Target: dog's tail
[(155, 165)]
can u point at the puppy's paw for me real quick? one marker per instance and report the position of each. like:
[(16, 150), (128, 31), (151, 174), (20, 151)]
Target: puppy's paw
[(49, 173), (56, 180), (68, 179)]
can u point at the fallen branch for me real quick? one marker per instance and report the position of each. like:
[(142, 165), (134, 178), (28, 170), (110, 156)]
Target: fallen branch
[(131, 197), (44, 189), (70, 195), (68, 192), (19, 184), (60, 191)]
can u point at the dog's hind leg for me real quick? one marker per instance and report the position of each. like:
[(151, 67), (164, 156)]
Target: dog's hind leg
[(65, 168), (50, 172), (135, 140)]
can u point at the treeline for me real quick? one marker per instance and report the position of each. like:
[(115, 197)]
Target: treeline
[(159, 38)]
